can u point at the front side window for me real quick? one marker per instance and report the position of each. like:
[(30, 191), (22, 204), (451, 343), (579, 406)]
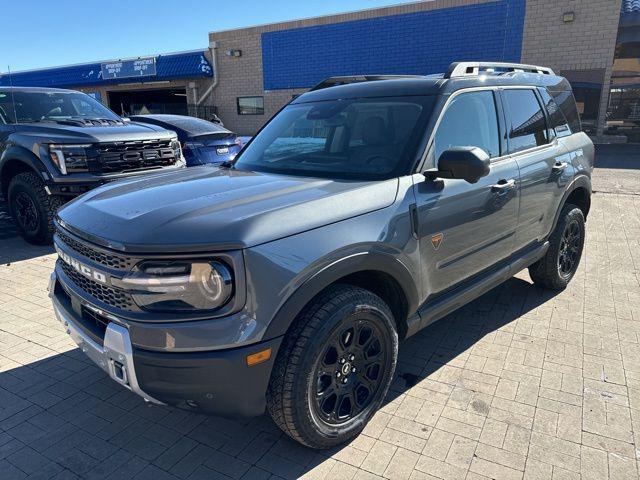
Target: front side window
[(470, 120), (250, 105), (366, 138), (43, 106), (528, 125)]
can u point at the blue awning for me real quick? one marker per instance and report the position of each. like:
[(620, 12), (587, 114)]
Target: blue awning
[(172, 66)]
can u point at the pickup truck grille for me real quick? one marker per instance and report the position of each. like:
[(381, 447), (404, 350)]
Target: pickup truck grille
[(119, 157), (109, 295)]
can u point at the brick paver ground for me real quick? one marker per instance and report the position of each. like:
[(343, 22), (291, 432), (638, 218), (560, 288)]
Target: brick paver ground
[(522, 383)]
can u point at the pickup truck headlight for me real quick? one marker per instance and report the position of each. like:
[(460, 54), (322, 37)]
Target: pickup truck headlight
[(177, 151), (180, 286), (69, 158)]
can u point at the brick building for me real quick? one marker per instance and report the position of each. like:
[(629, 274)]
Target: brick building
[(261, 68), (248, 74)]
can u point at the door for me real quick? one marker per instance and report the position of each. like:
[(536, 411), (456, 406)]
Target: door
[(541, 160), (466, 228)]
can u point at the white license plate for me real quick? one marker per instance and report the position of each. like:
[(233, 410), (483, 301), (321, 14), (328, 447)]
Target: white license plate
[(222, 150)]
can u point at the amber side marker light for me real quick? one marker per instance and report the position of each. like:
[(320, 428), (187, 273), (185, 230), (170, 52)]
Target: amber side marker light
[(258, 357)]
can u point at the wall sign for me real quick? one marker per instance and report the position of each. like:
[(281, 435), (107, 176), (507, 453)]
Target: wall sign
[(141, 67)]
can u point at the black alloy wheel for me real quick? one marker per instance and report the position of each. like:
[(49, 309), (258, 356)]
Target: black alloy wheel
[(349, 372), (26, 212), (570, 247), (334, 367), (566, 242)]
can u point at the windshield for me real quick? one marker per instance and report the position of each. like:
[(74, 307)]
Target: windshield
[(42, 106), (365, 138)]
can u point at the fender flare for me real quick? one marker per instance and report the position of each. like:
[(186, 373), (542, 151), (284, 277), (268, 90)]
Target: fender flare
[(354, 263), (16, 153), (581, 181)]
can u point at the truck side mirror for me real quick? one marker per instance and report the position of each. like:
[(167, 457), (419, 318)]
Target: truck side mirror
[(464, 163)]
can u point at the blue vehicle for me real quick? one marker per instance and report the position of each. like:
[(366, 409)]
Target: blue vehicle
[(202, 141)]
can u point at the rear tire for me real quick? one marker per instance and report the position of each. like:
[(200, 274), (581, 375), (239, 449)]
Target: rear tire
[(32, 208), (556, 269), (334, 368)]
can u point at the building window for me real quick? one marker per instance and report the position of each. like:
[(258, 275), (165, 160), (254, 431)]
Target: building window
[(250, 105)]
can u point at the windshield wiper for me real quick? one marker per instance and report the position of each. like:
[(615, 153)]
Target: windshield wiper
[(227, 164)]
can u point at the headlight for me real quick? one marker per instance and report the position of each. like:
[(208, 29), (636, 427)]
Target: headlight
[(177, 150), (180, 286), (69, 158)]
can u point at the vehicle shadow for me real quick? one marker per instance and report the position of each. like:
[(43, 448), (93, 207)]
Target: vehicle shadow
[(70, 412), (12, 247), (618, 156)]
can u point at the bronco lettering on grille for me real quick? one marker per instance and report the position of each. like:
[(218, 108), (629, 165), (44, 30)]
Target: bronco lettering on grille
[(82, 268)]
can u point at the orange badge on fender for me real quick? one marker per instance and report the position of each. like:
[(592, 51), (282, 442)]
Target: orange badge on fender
[(436, 240)]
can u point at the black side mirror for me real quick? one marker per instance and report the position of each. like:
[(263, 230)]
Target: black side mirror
[(464, 163)]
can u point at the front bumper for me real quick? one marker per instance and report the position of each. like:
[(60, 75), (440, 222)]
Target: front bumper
[(114, 356), (216, 382)]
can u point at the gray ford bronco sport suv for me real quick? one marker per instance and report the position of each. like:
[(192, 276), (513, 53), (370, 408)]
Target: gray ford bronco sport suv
[(56, 144), (365, 210)]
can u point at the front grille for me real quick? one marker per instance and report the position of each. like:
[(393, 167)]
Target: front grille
[(109, 295), (118, 157), (107, 259)]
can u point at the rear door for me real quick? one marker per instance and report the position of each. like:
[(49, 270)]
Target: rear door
[(541, 160), (466, 228)]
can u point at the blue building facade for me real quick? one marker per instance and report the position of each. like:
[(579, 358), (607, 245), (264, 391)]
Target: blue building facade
[(413, 43), (168, 67)]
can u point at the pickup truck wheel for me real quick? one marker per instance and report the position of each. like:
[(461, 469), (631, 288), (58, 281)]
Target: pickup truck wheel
[(334, 368), (32, 208), (556, 269)]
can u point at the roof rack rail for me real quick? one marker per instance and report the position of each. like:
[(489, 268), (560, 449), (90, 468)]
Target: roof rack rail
[(334, 81), (467, 69)]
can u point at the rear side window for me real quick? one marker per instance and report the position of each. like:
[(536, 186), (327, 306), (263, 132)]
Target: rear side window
[(557, 121), (567, 104), (528, 124), (470, 120)]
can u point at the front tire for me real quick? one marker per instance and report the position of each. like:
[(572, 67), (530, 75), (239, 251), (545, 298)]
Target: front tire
[(32, 208), (556, 269), (334, 368)]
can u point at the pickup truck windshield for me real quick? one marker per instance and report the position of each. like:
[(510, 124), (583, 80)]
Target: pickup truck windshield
[(37, 106), (363, 139)]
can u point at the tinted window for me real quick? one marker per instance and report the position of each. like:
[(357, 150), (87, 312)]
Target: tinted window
[(528, 125), (368, 138), (567, 104), (470, 120), (38, 106), (557, 121), (250, 105)]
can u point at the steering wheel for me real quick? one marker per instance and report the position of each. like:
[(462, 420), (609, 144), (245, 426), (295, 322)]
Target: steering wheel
[(384, 158), (51, 113)]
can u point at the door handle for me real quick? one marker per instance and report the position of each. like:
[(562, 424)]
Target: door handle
[(559, 167), (503, 186)]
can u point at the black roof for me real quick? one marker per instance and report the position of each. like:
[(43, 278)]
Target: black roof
[(387, 86)]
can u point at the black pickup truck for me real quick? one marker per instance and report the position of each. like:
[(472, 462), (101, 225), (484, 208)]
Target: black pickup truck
[(57, 144)]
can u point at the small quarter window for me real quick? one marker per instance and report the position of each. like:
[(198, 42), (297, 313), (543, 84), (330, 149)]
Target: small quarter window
[(557, 121), (250, 105), (528, 124)]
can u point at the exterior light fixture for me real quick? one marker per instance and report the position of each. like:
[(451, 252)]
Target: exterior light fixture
[(568, 17)]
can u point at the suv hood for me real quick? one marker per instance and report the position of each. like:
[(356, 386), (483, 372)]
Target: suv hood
[(207, 209), (57, 133)]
